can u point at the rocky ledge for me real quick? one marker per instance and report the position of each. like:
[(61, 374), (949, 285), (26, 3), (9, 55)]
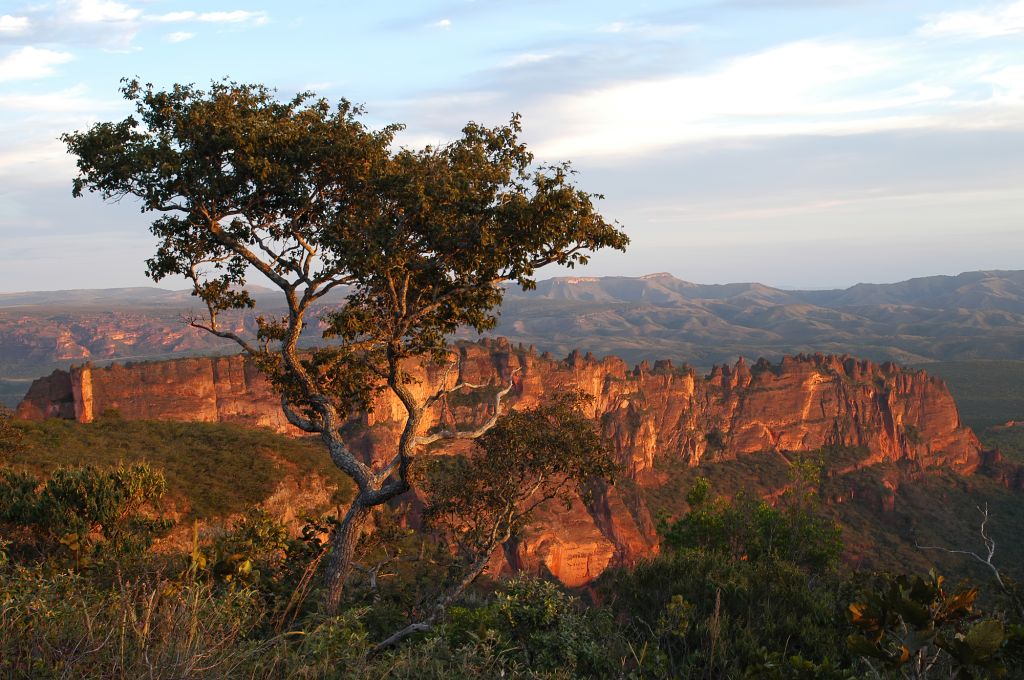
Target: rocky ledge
[(648, 412)]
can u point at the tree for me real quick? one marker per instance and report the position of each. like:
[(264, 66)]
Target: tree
[(549, 453), (305, 196)]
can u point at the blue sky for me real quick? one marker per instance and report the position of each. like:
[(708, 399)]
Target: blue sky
[(794, 142)]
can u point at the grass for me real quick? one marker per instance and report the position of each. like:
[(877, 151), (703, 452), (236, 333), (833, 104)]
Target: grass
[(219, 469)]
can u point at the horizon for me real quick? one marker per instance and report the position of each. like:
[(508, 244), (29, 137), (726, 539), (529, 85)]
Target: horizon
[(568, 275)]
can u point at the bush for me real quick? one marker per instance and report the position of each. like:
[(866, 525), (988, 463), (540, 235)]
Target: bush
[(85, 513), (542, 627)]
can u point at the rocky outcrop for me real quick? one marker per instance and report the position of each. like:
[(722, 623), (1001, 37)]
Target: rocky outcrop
[(207, 389), (650, 414)]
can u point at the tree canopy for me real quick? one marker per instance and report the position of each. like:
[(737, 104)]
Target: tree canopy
[(303, 193)]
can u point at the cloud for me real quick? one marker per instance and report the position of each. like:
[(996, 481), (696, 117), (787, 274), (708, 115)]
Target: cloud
[(525, 59), (990, 23), (179, 36), (115, 25), (647, 30), (443, 23), (170, 17), (29, 63), (11, 25), (71, 100), (235, 17), (102, 11), (801, 87), (1008, 85), (238, 16)]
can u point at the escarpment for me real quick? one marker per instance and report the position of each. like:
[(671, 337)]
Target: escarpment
[(651, 415)]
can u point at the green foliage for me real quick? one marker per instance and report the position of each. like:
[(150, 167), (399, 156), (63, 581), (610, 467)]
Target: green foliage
[(10, 436), (254, 548), (551, 452), (66, 624), (910, 624), (698, 609), (742, 587), (86, 508), (752, 529), (212, 469), (542, 627)]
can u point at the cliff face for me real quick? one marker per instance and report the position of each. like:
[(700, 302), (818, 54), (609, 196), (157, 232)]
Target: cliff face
[(804, 403)]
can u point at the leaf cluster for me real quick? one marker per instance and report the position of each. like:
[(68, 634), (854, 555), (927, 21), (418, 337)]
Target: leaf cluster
[(552, 452), (911, 624), (750, 528)]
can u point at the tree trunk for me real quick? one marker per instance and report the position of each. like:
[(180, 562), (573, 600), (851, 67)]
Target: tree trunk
[(344, 541)]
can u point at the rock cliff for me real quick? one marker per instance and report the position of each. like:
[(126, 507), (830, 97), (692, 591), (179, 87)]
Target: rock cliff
[(650, 414)]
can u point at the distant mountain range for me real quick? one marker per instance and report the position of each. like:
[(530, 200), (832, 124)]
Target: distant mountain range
[(976, 315)]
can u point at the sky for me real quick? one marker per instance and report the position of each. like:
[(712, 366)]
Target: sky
[(798, 143)]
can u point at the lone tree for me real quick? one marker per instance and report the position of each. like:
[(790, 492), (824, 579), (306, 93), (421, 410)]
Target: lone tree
[(303, 196)]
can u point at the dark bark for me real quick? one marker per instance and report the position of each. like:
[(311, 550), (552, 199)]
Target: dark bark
[(344, 542)]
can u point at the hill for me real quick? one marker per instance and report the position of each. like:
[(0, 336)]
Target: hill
[(976, 315)]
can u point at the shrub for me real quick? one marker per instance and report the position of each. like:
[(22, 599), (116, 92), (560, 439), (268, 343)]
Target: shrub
[(85, 513)]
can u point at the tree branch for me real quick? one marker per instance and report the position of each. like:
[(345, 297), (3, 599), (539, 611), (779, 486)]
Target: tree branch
[(227, 335), (990, 547), (449, 435), (304, 424)]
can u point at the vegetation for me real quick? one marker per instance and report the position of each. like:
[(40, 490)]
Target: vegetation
[(212, 470), (742, 590), (303, 194)]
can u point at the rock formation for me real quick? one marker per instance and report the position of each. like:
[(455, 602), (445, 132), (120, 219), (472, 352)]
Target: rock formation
[(650, 414)]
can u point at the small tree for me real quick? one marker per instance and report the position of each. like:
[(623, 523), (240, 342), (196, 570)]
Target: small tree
[(304, 195), (550, 453)]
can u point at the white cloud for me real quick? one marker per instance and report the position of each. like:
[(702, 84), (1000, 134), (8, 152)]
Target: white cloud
[(525, 59), (647, 30), (172, 17), (235, 17), (67, 101), (11, 25), (179, 36), (443, 23), (31, 62), (102, 11), (803, 87), (1008, 85), (990, 23)]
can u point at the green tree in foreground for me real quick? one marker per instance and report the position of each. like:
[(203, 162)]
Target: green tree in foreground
[(302, 195), (549, 453)]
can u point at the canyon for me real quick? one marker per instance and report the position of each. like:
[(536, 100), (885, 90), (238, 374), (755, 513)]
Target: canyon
[(656, 416)]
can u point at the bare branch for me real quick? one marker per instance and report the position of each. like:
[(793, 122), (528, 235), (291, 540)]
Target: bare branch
[(227, 335), (990, 547), (449, 435)]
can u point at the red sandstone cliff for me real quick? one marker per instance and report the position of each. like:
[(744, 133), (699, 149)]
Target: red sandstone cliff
[(804, 403)]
